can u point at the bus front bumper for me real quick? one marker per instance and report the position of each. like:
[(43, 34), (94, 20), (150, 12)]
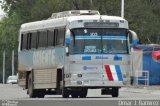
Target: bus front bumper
[(96, 84)]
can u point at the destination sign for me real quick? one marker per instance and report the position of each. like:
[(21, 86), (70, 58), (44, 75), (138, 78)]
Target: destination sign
[(101, 24)]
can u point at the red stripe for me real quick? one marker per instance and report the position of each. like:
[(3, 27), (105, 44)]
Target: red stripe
[(108, 72)]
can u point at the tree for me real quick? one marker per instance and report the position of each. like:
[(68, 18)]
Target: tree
[(142, 15)]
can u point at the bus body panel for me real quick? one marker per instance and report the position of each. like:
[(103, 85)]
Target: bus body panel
[(44, 62), (92, 72)]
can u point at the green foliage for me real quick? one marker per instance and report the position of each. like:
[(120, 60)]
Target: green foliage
[(142, 15), (8, 40)]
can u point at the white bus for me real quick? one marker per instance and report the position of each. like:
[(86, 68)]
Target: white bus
[(74, 51)]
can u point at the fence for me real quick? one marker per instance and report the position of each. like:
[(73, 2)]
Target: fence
[(144, 77)]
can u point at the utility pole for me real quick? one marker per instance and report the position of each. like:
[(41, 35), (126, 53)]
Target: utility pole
[(91, 2), (3, 67), (122, 8), (76, 4), (12, 62)]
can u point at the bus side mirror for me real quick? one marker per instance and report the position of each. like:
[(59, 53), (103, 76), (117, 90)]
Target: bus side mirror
[(68, 38), (134, 37)]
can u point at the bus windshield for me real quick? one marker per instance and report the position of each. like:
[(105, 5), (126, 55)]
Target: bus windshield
[(97, 41)]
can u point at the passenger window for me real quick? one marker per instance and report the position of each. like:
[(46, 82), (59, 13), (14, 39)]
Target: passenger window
[(34, 40), (42, 39), (56, 36), (29, 41), (60, 37), (23, 41), (51, 38)]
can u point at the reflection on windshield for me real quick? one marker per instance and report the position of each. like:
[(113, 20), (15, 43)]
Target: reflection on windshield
[(96, 41), (86, 44), (116, 45)]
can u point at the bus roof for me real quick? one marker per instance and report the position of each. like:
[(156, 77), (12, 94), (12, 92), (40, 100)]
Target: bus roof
[(95, 17), (56, 22)]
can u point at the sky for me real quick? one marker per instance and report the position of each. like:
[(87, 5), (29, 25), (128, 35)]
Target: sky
[(2, 13)]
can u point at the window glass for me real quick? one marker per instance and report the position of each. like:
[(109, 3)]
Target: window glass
[(23, 41), (92, 40), (60, 36), (29, 41), (56, 36), (42, 39), (34, 40), (86, 41), (51, 38)]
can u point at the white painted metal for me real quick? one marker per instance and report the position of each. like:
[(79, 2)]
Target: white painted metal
[(12, 62), (74, 13), (3, 67), (122, 8), (144, 78)]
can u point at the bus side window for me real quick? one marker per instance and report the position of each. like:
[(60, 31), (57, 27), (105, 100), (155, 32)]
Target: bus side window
[(34, 40), (29, 41), (56, 37), (60, 37), (23, 41), (51, 38), (42, 39)]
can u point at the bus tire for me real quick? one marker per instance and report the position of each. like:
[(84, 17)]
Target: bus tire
[(115, 92), (65, 93), (83, 93), (31, 91), (74, 95), (40, 93)]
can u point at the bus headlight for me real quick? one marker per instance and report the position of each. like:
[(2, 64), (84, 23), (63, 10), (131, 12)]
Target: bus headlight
[(79, 75), (79, 82)]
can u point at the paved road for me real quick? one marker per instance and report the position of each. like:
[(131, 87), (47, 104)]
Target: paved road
[(13, 95), (15, 92)]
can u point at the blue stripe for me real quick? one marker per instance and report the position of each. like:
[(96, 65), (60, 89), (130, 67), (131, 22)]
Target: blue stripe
[(88, 37), (115, 37), (119, 74), (99, 54), (117, 58), (86, 57), (104, 37), (124, 37)]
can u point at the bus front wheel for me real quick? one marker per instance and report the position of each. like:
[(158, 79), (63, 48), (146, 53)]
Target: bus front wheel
[(83, 93), (115, 92), (65, 93), (40, 93)]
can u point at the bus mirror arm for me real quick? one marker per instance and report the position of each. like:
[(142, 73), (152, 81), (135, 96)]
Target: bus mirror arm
[(135, 39)]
